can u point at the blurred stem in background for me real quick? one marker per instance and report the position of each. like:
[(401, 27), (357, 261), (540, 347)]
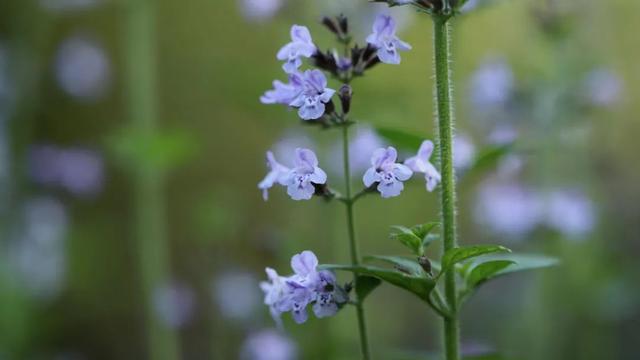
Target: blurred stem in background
[(444, 111), (149, 229), (353, 245)]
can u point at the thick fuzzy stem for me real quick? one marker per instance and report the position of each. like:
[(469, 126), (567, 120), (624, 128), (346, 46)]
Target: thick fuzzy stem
[(444, 107)]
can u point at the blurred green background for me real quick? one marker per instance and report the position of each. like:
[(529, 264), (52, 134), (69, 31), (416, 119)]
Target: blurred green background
[(132, 141)]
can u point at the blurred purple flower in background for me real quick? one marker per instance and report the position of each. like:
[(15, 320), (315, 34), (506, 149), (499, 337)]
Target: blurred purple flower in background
[(285, 148), (384, 38), (82, 68), (37, 252), (362, 144), (386, 172), (174, 304), (503, 134), (491, 86), (260, 10), (420, 164), (301, 45), (570, 212), (237, 295), (508, 208), (464, 151), (268, 344), (77, 170), (68, 5), (602, 87)]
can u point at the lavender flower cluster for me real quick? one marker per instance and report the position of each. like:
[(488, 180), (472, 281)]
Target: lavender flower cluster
[(307, 286), (308, 92)]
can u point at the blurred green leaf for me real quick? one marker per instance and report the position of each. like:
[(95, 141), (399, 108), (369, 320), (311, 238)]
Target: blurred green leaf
[(408, 238), (419, 286), (522, 262), (423, 230), (365, 285), (456, 255), (488, 159), (402, 139), (160, 151), (402, 263)]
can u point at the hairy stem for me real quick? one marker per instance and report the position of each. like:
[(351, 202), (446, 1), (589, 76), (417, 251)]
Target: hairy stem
[(149, 230), (355, 257), (444, 109)]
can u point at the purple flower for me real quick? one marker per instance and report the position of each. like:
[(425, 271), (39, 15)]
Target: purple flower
[(385, 39), (603, 87), (268, 345), (79, 171), (260, 10), (420, 163), (174, 304), (464, 152), (491, 86), (310, 101), (386, 172), (305, 173), (508, 208), (306, 286), (284, 93), (301, 45), (278, 173), (570, 212)]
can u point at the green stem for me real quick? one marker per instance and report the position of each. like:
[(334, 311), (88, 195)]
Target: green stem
[(355, 257), (444, 108), (149, 229)]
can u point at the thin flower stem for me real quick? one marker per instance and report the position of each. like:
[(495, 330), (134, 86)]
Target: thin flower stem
[(150, 218), (444, 108), (355, 257)]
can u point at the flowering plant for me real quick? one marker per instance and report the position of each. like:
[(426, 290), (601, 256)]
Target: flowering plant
[(444, 283)]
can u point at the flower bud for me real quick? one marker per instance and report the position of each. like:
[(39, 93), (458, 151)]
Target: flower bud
[(337, 25), (425, 263), (345, 93)]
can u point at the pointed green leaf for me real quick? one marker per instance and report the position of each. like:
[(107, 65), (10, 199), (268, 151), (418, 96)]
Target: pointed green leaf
[(401, 263), (485, 271), (365, 285), (459, 254), (429, 239), (407, 238), (420, 286), (403, 139), (522, 262)]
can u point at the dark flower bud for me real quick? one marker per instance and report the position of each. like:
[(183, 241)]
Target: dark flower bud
[(425, 263), (331, 24), (325, 61), (344, 24), (329, 108), (345, 93)]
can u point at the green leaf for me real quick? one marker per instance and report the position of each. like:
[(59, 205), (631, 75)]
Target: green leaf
[(456, 255), (486, 271), (365, 285), (523, 262), (402, 263), (419, 286), (488, 158), (423, 230), (407, 237), (402, 139)]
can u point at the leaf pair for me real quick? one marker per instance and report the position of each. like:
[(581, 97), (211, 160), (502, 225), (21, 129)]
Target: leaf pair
[(416, 238)]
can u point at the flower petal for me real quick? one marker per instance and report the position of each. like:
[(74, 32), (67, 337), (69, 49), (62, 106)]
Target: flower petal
[(402, 172), (390, 189), (304, 263), (370, 177), (318, 176)]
